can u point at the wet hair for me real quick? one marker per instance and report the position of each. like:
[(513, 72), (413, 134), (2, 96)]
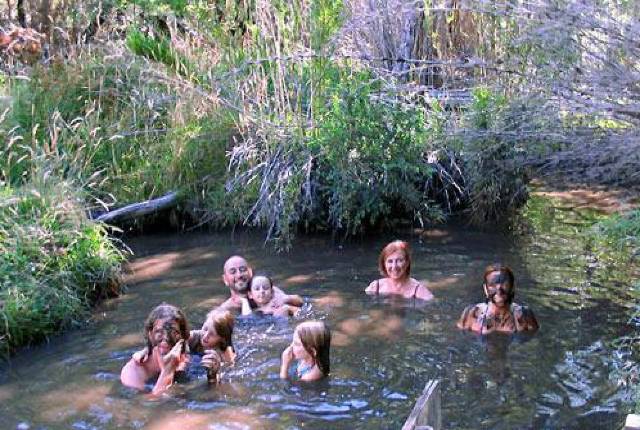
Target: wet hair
[(396, 245), (316, 340), (506, 277), (222, 322), (168, 312), (261, 274)]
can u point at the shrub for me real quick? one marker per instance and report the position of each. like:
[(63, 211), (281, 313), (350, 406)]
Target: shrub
[(493, 161), (54, 262)]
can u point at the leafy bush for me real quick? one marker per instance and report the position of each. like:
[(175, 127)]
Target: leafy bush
[(54, 262), (362, 165), (621, 231), (106, 125), (493, 161)]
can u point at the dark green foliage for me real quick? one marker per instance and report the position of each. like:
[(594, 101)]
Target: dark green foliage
[(370, 165), (495, 176), (362, 166), (159, 49), (54, 263)]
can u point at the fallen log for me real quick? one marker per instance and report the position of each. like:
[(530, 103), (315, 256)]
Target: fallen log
[(137, 210)]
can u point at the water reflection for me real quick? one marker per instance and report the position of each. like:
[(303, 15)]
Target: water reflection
[(384, 349)]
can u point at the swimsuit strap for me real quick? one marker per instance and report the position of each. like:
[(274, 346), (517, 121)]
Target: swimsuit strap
[(302, 370), (512, 308), (415, 292), (378, 286), (484, 315)]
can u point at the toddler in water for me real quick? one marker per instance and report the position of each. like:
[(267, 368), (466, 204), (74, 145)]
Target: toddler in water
[(213, 340), (261, 292), (310, 347)]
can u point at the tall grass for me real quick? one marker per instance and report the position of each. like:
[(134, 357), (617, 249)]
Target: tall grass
[(54, 262)]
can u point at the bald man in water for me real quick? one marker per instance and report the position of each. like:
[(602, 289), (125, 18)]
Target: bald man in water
[(237, 276)]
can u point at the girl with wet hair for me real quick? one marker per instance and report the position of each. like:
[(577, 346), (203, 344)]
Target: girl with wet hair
[(214, 340), (311, 348), (499, 313), (166, 331), (394, 264)]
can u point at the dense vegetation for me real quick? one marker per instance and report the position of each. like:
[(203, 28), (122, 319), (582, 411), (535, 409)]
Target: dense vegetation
[(54, 262), (331, 115)]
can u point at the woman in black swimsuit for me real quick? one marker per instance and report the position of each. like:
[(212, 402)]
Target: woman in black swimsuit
[(395, 265), (499, 313)]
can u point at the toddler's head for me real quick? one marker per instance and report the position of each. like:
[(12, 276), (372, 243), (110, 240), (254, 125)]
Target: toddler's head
[(261, 289)]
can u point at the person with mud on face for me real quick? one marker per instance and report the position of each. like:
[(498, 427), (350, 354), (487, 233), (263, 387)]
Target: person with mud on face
[(499, 313), (166, 330)]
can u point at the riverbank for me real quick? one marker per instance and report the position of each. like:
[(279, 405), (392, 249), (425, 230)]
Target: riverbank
[(55, 263), (275, 118)]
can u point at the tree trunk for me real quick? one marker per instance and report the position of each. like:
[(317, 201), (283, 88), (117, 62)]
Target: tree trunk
[(22, 17), (137, 210)]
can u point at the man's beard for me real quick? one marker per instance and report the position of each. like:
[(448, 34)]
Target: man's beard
[(241, 287)]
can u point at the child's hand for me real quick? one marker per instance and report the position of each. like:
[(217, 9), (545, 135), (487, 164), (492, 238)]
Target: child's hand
[(246, 306), (211, 361), (287, 358), (287, 355), (140, 356), (171, 360), (230, 356)]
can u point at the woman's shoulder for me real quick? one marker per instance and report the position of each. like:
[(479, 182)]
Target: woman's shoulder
[(524, 317), (373, 287), (420, 290), (470, 314)]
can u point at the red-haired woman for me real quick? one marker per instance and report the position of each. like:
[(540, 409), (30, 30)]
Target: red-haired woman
[(395, 265)]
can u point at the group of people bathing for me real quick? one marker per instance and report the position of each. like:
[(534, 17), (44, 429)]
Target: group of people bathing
[(170, 342)]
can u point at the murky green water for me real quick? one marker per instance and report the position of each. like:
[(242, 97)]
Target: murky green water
[(383, 352)]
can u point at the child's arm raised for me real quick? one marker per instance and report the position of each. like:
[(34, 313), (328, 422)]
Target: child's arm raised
[(246, 306), (169, 364), (287, 358)]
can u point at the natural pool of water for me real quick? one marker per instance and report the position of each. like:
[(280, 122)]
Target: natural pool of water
[(383, 352)]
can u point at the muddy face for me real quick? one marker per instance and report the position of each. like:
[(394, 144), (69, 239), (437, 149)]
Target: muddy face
[(165, 334)]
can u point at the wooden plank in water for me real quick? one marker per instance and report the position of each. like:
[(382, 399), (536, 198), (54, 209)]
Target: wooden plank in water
[(632, 422), (426, 413)]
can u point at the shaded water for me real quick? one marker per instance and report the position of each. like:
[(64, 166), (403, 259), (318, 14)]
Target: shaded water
[(383, 352)]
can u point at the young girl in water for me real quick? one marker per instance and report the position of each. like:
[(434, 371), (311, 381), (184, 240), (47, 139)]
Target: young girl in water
[(213, 341), (310, 347), (166, 331), (261, 292)]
